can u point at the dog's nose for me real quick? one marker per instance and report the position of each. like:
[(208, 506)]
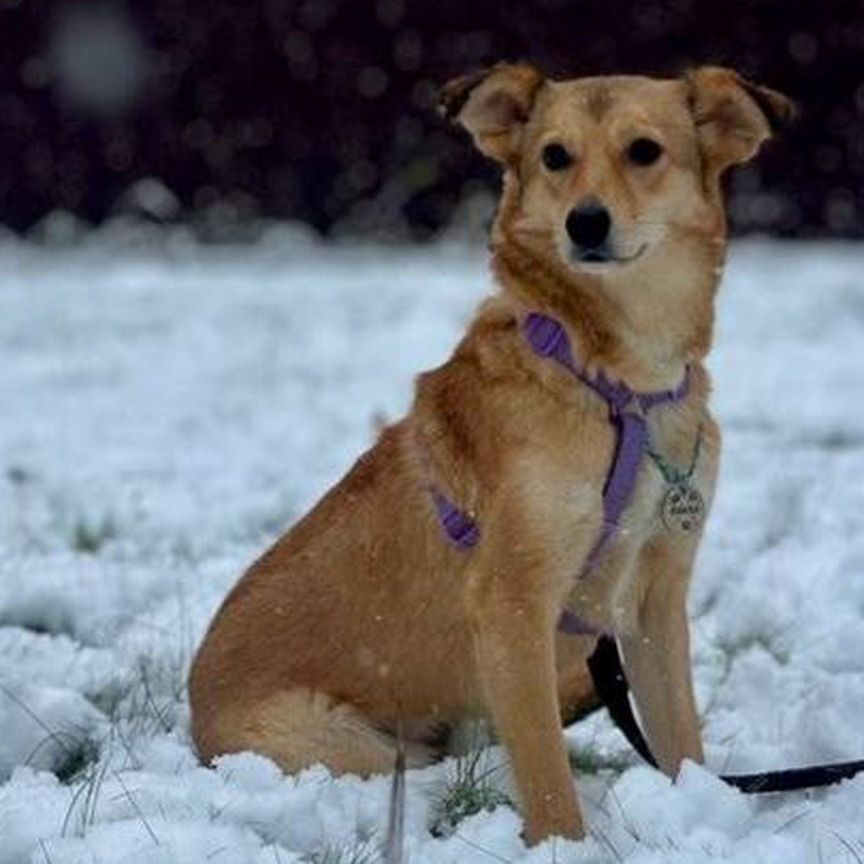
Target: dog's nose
[(588, 226)]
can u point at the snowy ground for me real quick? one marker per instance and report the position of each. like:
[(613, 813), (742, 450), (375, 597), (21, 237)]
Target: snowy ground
[(167, 409)]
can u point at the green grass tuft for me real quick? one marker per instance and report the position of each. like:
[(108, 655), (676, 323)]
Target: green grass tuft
[(89, 537), (589, 762), (471, 790), (77, 758)]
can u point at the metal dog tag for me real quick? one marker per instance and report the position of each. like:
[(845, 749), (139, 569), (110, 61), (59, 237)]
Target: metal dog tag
[(683, 509)]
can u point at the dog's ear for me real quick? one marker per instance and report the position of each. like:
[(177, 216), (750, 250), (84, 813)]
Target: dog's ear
[(733, 116), (493, 105)]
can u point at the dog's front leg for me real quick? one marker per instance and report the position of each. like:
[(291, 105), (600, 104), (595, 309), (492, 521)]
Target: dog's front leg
[(516, 585), (657, 653), (515, 653), (536, 533)]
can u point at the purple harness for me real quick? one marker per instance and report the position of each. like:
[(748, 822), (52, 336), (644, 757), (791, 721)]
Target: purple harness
[(627, 410)]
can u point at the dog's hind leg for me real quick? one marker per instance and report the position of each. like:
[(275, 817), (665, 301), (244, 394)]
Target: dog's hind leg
[(301, 727)]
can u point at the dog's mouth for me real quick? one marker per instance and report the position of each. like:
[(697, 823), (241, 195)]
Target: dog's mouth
[(602, 255)]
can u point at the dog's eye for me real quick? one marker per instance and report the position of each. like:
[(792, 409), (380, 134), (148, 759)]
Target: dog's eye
[(644, 151), (555, 157)]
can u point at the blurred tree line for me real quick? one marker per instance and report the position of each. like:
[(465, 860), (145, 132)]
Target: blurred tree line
[(323, 110)]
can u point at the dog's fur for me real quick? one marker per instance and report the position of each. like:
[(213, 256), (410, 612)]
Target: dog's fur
[(364, 615)]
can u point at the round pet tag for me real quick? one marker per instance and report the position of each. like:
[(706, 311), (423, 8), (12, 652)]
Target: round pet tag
[(683, 509)]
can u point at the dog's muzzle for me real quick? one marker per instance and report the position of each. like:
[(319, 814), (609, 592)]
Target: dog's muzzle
[(589, 227)]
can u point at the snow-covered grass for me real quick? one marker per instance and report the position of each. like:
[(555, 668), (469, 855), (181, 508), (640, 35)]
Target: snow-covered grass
[(168, 409)]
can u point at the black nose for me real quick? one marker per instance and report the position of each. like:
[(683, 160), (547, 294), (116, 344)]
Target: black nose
[(588, 226)]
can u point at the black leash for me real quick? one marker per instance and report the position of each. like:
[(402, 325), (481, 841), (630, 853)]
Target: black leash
[(611, 685)]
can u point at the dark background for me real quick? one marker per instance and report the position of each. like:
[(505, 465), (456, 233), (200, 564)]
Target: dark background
[(323, 110)]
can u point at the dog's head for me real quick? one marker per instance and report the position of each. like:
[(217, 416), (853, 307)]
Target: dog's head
[(610, 177)]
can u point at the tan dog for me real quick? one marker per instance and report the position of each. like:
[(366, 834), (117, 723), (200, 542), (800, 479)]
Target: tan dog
[(364, 615)]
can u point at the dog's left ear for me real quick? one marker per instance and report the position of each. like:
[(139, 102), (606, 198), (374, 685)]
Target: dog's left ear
[(733, 116), (493, 105)]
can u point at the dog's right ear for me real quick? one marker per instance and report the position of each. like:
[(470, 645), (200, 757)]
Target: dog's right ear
[(493, 105)]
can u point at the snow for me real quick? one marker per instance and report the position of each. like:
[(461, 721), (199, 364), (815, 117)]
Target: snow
[(170, 407)]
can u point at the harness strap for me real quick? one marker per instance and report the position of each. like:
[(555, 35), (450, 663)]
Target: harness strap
[(548, 339), (460, 528)]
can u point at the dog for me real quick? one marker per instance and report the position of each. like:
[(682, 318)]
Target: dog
[(427, 586)]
